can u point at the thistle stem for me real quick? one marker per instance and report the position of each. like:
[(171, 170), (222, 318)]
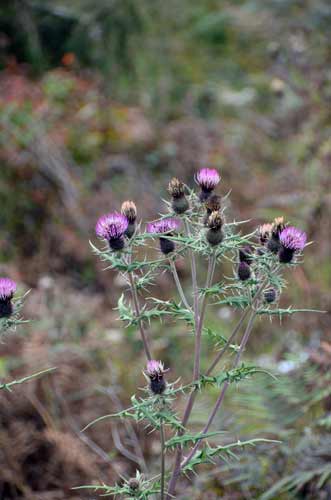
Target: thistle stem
[(235, 330), (162, 439), (134, 294), (221, 397), (178, 284), (196, 370)]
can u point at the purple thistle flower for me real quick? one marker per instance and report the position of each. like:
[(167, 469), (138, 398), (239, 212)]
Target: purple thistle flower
[(207, 178), (112, 227), (154, 368), (155, 371), (292, 240), (7, 290), (164, 226)]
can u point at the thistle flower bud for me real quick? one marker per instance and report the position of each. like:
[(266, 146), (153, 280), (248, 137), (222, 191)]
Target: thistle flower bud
[(7, 290), (291, 240), (207, 178), (155, 371), (164, 226), (246, 254), (244, 271), (215, 234), (129, 210), (111, 227), (134, 484), (179, 203), (270, 295)]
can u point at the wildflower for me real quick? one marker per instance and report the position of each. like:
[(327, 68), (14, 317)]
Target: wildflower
[(164, 226), (215, 234), (292, 240), (179, 203), (277, 226), (207, 178), (270, 295), (129, 210), (112, 227), (245, 254), (244, 271), (155, 371), (7, 290)]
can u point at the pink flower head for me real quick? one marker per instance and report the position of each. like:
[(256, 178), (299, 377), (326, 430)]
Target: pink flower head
[(154, 368), (208, 178), (155, 371), (293, 238), (7, 288), (111, 226), (163, 226)]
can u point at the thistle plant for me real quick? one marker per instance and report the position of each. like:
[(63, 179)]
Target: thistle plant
[(193, 227), (10, 318)]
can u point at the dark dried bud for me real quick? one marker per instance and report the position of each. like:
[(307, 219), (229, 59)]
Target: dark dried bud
[(213, 204), (129, 210), (134, 484), (179, 202), (246, 254), (264, 233), (214, 234), (176, 188), (270, 295), (277, 226), (244, 271), (215, 220)]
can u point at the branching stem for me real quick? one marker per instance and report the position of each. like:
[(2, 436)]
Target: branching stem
[(179, 286)]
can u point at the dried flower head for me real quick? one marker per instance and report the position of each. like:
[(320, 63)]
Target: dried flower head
[(129, 210), (214, 203), (7, 290), (292, 240), (207, 178), (176, 188), (155, 371), (215, 220), (278, 224), (179, 202), (244, 271), (214, 234), (112, 227), (264, 232)]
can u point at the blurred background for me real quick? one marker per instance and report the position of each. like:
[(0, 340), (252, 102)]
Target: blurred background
[(105, 101)]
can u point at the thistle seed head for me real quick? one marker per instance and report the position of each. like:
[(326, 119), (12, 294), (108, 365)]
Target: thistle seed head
[(129, 210), (176, 188)]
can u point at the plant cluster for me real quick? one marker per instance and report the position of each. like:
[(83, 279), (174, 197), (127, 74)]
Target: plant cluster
[(194, 225)]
